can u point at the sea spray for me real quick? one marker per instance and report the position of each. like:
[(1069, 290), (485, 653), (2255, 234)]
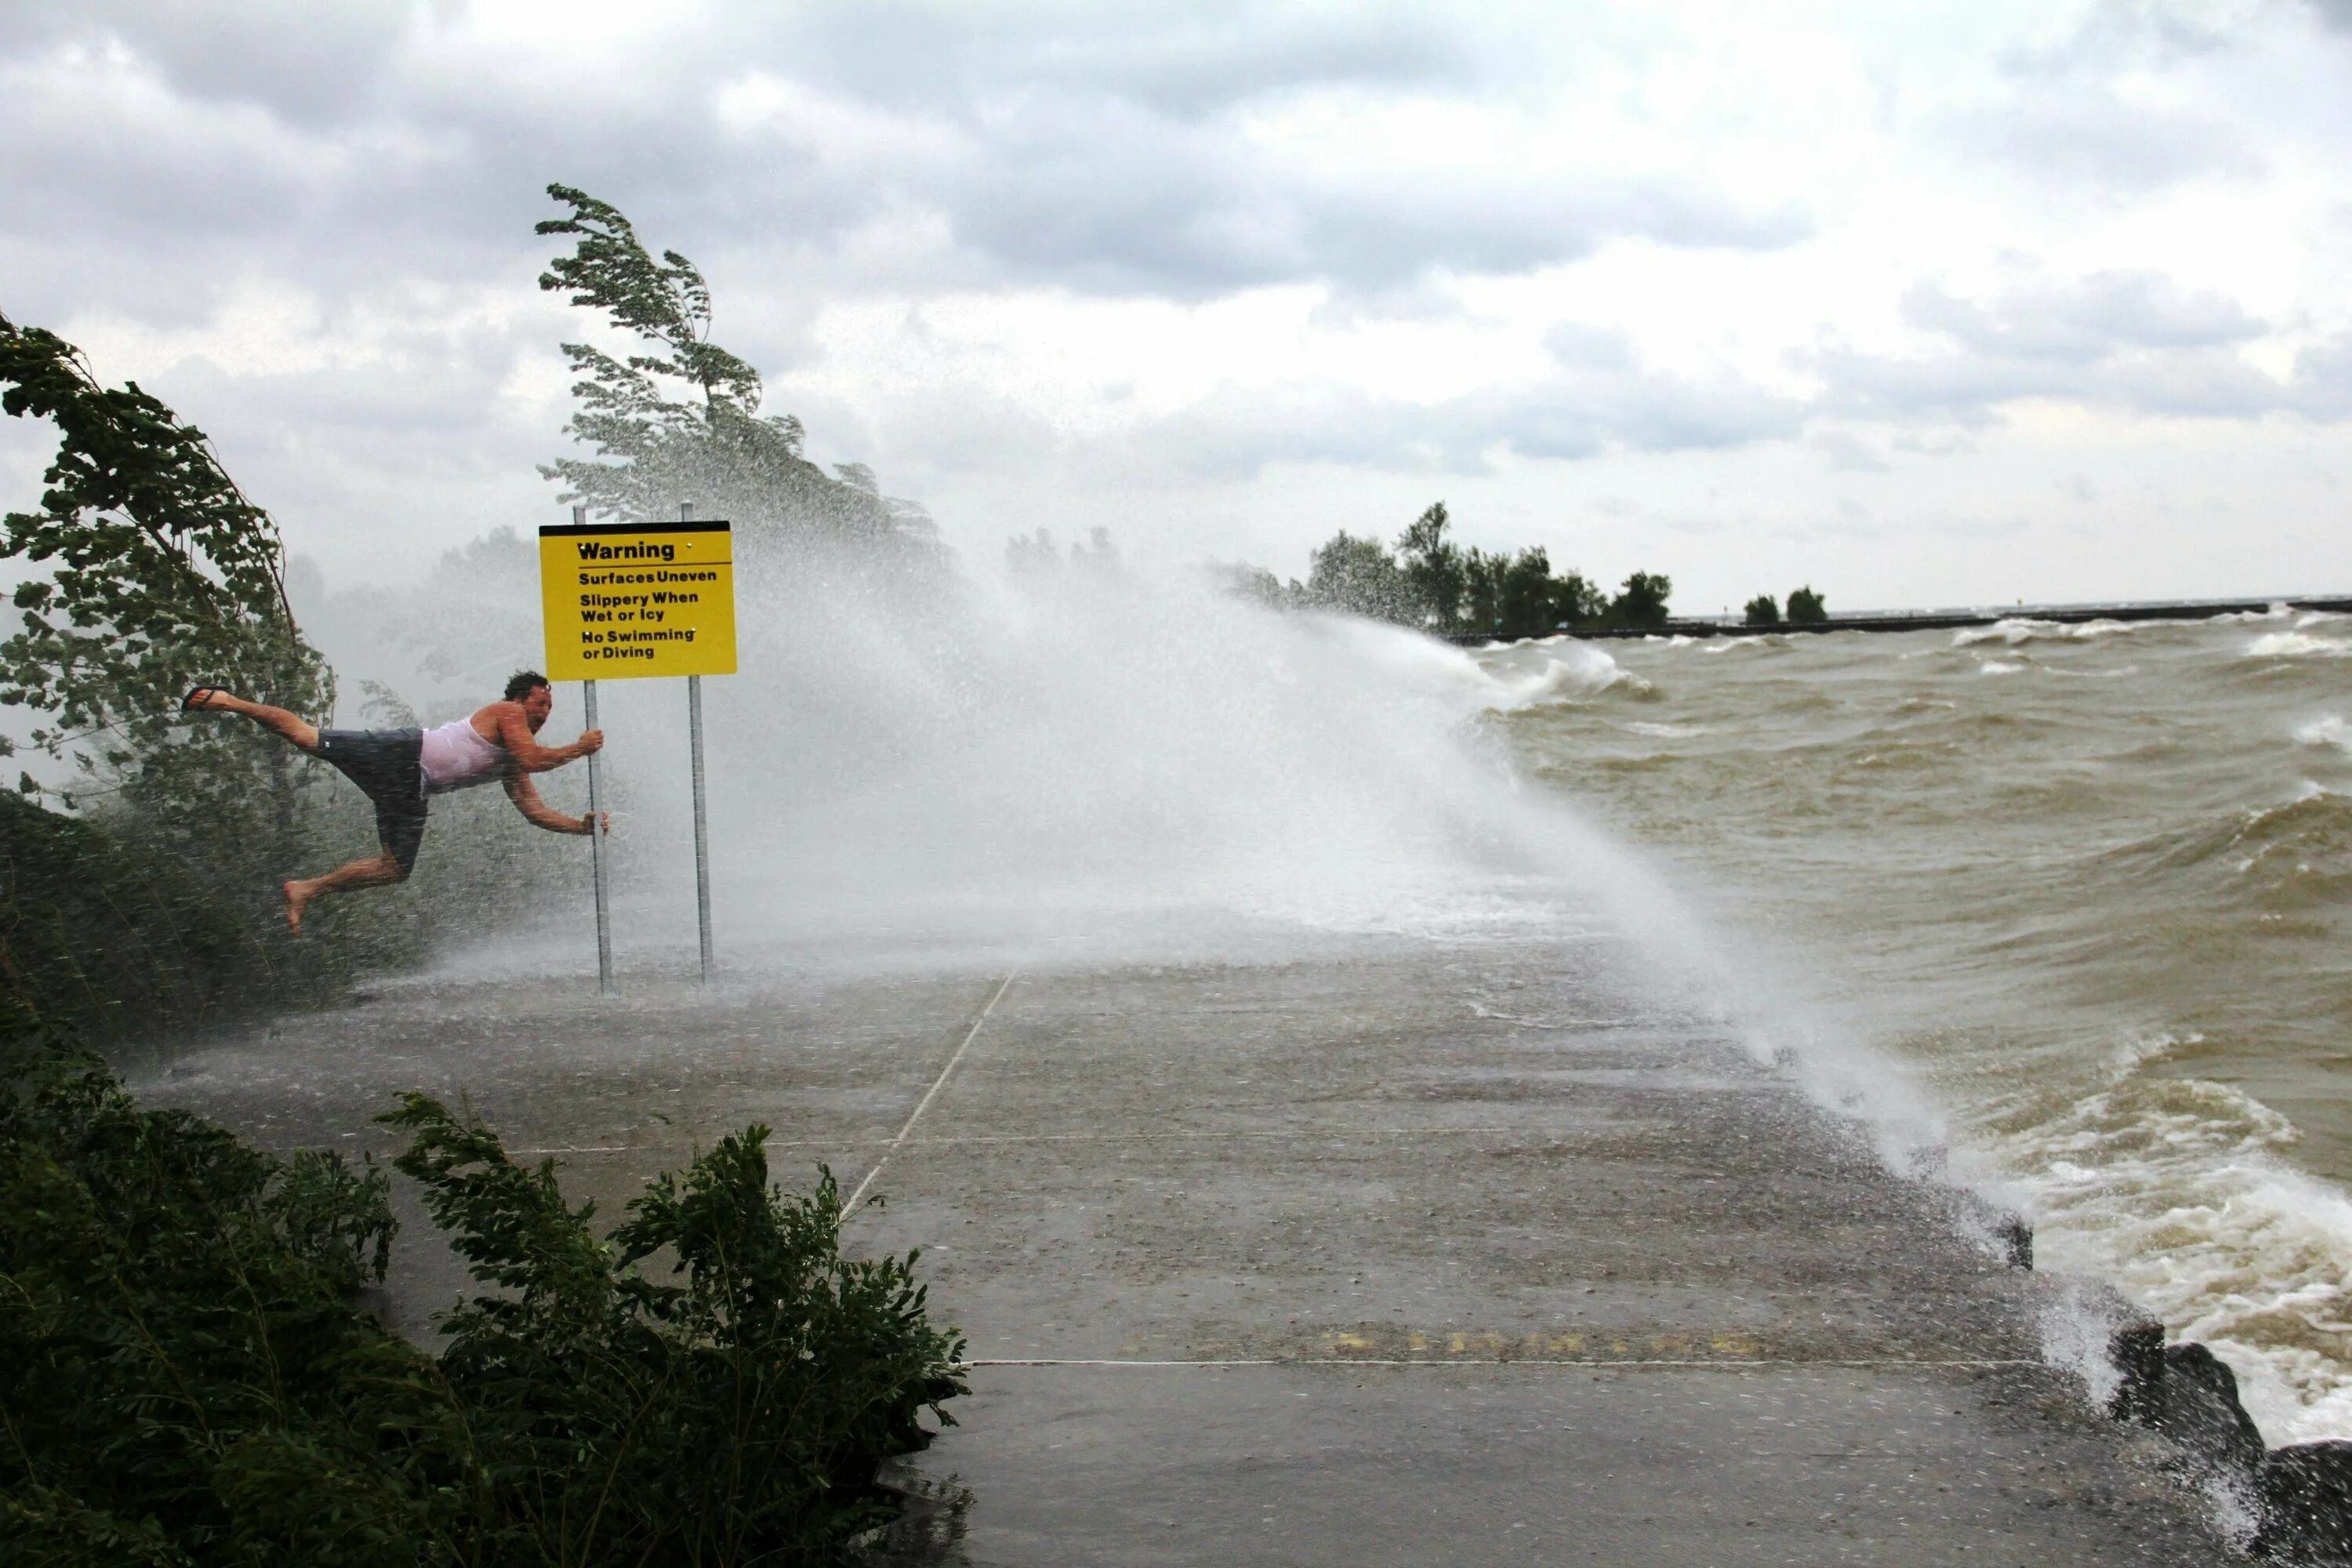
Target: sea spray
[(1103, 765)]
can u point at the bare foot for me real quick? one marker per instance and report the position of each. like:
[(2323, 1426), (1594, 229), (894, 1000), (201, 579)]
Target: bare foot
[(297, 901)]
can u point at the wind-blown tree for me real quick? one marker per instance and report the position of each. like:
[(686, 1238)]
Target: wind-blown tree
[(1805, 607), (1518, 596), (1763, 610), (1432, 566), (681, 421), (1360, 576), (1040, 557), (1644, 601), (1524, 599), (159, 573)]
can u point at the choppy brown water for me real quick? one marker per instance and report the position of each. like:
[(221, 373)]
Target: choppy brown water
[(2094, 883)]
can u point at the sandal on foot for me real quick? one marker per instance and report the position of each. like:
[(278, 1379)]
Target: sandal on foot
[(194, 700)]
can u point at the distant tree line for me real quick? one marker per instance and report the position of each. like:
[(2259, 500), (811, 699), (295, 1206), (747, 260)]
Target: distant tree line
[(1430, 582), (1038, 555), (1805, 609)]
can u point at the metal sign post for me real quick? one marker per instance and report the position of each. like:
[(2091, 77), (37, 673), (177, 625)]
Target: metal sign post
[(701, 817), (596, 820), (624, 601), (701, 823)]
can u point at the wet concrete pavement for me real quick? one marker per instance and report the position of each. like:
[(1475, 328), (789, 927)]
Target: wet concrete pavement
[(1389, 1253)]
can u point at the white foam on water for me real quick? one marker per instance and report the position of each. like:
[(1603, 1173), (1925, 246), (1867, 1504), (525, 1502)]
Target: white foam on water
[(2024, 628), (2184, 1192), (2330, 730), (2179, 1190), (2296, 645), (2000, 667), (1551, 669)]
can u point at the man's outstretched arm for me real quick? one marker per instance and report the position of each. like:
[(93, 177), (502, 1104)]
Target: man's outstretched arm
[(515, 736), (539, 813)]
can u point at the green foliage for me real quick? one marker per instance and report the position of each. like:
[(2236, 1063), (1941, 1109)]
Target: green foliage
[(1763, 610), (1527, 600), (1642, 603), (1575, 602), (1360, 577), (185, 1381), (184, 1378), (735, 1417), (1240, 580), (159, 573), (1037, 555), (1805, 608), (158, 902), (1432, 583), (1432, 567), (151, 572), (708, 445), (109, 941)]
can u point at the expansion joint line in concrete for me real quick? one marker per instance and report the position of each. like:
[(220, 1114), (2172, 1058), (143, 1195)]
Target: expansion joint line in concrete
[(1891, 1363), (849, 1209)]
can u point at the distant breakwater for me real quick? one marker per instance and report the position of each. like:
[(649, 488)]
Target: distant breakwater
[(1970, 615)]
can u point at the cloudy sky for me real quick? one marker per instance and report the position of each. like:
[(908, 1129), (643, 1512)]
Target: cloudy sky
[(1921, 304)]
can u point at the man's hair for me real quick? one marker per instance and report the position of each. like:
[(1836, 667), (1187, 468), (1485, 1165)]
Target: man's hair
[(522, 683)]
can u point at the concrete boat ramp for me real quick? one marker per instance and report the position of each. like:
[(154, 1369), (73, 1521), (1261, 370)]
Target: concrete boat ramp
[(1379, 1253)]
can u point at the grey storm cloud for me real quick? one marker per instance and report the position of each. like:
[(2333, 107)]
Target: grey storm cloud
[(378, 160), (2056, 117), (1187, 62), (1072, 147), (1161, 206), (2124, 340), (2084, 319), (1596, 398)]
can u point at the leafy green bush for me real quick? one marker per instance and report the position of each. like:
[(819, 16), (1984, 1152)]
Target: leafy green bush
[(183, 1376), (1763, 610), (109, 927), (1805, 607), (736, 1417), (185, 1381)]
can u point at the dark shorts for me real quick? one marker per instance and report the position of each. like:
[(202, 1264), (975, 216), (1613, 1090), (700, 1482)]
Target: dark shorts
[(386, 765)]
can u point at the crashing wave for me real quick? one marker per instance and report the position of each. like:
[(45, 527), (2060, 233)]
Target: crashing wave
[(2330, 730), (2024, 628), (1553, 669), (2296, 645)]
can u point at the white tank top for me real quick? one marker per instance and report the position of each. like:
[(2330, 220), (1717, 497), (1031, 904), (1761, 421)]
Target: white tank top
[(455, 756)]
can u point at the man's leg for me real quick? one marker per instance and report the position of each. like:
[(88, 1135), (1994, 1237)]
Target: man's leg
[(400, 828), (293, 726), (380, 870)]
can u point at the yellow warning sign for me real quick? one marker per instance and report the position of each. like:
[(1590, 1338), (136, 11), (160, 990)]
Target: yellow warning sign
[(624, 600)]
